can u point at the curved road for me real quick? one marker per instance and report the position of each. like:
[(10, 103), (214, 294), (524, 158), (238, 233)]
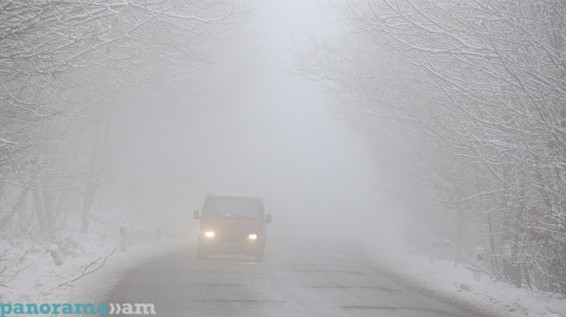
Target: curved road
[(298, 278)]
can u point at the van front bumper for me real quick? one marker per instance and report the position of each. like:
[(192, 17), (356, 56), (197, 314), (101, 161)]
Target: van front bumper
[(219, 245)]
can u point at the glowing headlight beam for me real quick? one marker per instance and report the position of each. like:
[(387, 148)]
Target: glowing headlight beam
[(252, 236), (209, 234)]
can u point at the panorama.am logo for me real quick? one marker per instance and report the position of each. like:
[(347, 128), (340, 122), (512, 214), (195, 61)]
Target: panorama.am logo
[(7, 310)]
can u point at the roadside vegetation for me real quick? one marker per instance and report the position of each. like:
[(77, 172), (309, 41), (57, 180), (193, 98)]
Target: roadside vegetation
[(472, 96), (77, 81)]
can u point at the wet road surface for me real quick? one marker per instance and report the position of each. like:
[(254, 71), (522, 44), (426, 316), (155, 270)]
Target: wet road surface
[(297, 278)]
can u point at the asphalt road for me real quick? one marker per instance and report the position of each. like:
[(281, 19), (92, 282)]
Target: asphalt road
[(299, 278)]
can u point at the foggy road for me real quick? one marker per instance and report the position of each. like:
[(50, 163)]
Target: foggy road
[(297, 278)]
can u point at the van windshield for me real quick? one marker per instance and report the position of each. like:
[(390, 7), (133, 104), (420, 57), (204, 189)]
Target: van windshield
[(233, 207)]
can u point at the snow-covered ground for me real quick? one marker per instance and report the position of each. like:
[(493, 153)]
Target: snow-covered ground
[(457, 284), (32, 276), (40, 279)]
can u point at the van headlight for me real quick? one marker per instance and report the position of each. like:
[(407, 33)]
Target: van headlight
[(209, 234), (252, 236)]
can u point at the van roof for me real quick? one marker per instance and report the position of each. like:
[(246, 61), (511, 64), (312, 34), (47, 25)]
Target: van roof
[(234, 196)]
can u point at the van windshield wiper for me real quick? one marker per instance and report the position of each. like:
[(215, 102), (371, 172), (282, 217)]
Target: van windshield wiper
[(229, 215)]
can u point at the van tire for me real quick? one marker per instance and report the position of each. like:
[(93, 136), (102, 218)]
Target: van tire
[(259, 256), (201, 254)]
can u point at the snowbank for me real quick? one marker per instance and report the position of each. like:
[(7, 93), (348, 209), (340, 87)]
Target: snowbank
[(32, 275), (457, 284)]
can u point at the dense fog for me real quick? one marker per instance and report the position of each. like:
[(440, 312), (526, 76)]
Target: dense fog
[(269, 133), (404, 125)]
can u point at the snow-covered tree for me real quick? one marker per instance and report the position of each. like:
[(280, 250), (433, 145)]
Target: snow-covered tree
[(476, 92), (75, 80)]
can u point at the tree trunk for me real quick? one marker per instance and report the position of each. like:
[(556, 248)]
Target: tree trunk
[(48, 198), (38, 207), (89, 193), (23, 195)]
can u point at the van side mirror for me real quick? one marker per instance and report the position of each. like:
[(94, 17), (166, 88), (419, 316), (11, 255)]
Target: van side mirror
[(268, 218), (196, 214)]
